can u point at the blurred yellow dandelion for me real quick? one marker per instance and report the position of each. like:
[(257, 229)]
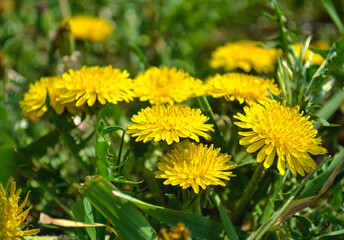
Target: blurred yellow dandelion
[(105, 84), (169, 123), (241, 87), (247, 55), (316, 58), (33, 103), (166, 85), (90, 28), (179, 232), (12, 215), (276, 128), (194, 166)]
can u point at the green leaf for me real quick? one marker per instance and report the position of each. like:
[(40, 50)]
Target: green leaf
[(227, 223), (316, 183), (331, 106), (120, 180), (331, 235), (111, 129), (200, 226), (130, 223), (83, 212), (102, 151), (333, 14)]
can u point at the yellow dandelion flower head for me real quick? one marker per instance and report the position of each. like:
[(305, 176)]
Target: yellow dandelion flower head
[(241, 87), (85, 27), (12, 214), (166, 85), (194, 165), (179, 232), (169, 123), (33, 103), (316, 58), (246, 55), (275, 128), (105, 84)]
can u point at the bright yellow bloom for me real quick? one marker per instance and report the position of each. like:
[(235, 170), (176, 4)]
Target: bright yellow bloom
[(246, 55), (194, 165), (241, 87), (105, 84), (33, 103), (179, 232), (166, 85), (316, 59), (12, 215), (276, 128), (169, 123), (90, 28)]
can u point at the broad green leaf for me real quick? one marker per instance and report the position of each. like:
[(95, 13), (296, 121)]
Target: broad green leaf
[(200, 227), (83, 212), (127, 219)]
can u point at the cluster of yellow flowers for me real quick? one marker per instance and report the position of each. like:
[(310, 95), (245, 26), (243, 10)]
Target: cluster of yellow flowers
[(273, 128), (71, 90)]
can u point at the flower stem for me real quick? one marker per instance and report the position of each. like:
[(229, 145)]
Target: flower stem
[(216, 136), (248, 192)]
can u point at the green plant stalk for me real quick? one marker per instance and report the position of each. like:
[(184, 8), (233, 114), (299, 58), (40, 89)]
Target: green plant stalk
[(248, 192), (284, 33), (333, 14), (217, 136), (331, 106), (196, 205), (269, 207)]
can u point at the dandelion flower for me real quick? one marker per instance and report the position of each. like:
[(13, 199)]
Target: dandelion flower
[(105, 84), (275, 128), (316, 58), (194, 166), (166, 85), (90, 28), (179, 232), (241, 87), (169, 123), (33, 103), (246, 55), (12, 215)]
